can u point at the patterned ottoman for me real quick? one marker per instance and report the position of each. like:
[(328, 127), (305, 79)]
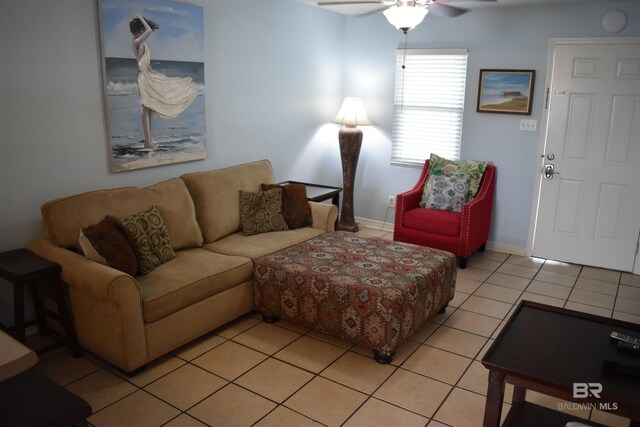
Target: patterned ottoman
[(370, 291)]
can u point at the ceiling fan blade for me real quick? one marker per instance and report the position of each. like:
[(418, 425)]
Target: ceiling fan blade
[(444, 10), (362, 15), (340, 3), (463, 1)]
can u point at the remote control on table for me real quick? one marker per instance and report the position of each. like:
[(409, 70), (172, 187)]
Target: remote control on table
[(625, 338), (625, 345)]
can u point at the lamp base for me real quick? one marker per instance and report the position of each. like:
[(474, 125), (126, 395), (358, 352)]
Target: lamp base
[(350, 139), (347, 227)]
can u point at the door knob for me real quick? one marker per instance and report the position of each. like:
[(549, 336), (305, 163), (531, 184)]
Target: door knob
[(549, 171)]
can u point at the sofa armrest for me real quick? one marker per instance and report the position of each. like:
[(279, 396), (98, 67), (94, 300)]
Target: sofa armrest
[(106, 305), (324, 215), (99, 280)]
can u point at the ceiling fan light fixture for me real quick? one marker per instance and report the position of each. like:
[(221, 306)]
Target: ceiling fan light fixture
[(405, 17)]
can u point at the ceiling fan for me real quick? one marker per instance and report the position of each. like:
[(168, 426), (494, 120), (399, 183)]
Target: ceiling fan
[(406, 14)]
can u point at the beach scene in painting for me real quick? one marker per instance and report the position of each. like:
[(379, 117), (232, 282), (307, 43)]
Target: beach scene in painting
[(505, 91), (176, 51)]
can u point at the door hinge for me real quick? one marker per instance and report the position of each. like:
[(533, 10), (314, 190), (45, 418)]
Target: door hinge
[(546, 102)]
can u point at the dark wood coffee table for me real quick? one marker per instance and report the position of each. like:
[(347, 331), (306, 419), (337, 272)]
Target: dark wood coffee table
[(548, 349)]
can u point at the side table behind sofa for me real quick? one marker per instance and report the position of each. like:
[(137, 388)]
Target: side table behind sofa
[(23, 268)]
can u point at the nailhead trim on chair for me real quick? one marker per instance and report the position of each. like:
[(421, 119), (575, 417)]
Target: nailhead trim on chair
[(483, 190)]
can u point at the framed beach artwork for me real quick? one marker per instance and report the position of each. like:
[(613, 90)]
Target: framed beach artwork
[(153, 75), (506, 91)]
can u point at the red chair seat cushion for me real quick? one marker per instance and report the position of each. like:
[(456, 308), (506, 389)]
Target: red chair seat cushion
[(433, 221)]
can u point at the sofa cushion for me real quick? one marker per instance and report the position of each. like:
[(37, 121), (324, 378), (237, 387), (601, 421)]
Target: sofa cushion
[(104, 243), (261, 244), (193, 275), (295, 204), (63, 218), (149, 238), (215, 195), (261, 212), (433, 221)]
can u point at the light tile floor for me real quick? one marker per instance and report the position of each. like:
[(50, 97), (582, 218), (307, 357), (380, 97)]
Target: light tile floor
[(253, 373)]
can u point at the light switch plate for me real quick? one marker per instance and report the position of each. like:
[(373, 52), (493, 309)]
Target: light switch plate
[(527, 125)]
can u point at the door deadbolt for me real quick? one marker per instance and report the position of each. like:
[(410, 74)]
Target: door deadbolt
[(550, 156)]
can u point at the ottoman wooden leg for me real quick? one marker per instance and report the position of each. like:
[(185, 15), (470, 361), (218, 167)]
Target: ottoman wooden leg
[(383, 358), (443, 309), (270, 319)]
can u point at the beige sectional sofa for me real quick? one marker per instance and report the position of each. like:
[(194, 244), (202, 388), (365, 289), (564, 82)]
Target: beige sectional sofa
[(130, 321)]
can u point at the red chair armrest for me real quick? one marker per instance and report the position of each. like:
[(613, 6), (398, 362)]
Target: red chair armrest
[(476, 214), (410, 199)]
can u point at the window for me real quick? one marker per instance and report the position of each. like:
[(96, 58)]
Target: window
[(428, 105)]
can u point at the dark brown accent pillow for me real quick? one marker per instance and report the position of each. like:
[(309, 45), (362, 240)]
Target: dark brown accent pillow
[(295, 205), (149, 238), (105, 243)]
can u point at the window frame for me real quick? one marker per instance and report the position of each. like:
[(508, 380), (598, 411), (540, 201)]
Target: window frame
[(400, 152)]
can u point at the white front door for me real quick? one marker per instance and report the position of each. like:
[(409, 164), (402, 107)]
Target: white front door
[(589, 200)]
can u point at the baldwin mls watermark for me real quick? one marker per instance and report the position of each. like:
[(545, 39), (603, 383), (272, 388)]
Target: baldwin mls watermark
[(586, 391)]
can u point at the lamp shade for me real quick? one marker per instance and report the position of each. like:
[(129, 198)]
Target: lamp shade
[(405, 17), (352, 113)]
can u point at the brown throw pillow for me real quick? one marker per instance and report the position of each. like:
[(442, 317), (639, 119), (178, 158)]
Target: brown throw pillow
[(295, 205), (261, 212), (104, 243), (149, 237)]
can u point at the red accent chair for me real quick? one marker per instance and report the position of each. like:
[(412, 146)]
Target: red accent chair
[(461, 233)]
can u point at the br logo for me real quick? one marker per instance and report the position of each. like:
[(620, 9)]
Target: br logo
[(584, 390)]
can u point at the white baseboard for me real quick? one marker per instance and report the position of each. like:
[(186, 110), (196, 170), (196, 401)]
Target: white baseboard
[(492, 246), (372, 223), (507, 249)]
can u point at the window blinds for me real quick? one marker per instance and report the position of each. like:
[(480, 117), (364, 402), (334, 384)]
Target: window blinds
[(428, 104)]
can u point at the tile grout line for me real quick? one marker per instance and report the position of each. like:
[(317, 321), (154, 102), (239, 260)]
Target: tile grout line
[(435, 412), (352, 349)]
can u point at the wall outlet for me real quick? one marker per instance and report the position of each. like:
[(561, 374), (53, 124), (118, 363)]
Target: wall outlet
[(392, 202)]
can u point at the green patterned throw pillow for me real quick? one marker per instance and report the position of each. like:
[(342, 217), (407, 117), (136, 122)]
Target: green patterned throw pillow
[(261, 212), (149, 237), (464, 169)]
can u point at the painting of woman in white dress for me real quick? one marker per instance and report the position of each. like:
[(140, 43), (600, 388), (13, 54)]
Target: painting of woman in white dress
[(154, 82)]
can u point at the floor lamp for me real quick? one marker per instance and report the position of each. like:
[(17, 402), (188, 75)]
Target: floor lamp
[(351, 114)]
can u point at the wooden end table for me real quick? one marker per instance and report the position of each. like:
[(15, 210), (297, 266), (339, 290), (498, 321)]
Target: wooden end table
[(319, 193), (23, 268), (549, 349)]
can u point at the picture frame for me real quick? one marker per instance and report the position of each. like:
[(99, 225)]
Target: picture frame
[(153, 83), (504, 91)]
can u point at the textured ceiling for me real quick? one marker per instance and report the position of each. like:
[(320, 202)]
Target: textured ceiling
[(356, 9)]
